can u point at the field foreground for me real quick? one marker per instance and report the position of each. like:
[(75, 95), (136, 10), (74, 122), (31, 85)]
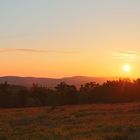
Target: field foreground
[(85, 122)]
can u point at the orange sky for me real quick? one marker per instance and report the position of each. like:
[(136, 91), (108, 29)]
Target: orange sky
[(67, 38)]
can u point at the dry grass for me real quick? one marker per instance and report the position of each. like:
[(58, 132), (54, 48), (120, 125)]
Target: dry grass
[(85, 122)]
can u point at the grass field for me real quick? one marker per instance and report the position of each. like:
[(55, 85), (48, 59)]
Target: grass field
[(85, 122)]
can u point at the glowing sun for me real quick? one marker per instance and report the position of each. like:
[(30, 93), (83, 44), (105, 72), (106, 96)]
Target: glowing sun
[(127, 68)]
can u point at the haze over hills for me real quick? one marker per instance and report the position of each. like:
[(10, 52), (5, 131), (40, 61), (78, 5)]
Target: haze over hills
[(52, 82)]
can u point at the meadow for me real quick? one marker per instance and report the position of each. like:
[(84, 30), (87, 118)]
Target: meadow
[(77, 122)]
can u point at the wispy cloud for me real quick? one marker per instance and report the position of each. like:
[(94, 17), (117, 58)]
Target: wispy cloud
[(4, 50), (33, 50), (129, 55)]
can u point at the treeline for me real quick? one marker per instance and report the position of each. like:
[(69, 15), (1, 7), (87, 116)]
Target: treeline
[(63, 94)]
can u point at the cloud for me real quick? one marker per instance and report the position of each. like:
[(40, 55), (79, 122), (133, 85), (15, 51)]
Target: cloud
[(129, 55), (4, 50), (33, 50)]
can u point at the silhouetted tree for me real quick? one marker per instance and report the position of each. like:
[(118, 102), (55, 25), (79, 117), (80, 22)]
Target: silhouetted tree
[(68, 94), (123, 90)]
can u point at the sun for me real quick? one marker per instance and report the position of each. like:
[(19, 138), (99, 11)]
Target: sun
[(126, 68)]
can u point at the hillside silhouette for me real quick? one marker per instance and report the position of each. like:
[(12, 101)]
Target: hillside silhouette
[(52, 82)]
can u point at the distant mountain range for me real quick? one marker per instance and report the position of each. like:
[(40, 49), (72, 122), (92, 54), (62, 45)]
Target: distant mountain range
[(52, 82)]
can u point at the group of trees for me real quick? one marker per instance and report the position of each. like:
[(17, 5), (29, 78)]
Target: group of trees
[(64, 94)]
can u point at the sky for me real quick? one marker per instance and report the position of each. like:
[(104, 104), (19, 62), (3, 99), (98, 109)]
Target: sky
[(60, 38)]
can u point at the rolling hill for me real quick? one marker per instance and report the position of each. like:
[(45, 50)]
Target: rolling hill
[(52, 82)]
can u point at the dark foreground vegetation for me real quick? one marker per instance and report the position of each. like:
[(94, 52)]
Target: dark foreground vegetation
[(64, 94), (77, 122)]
